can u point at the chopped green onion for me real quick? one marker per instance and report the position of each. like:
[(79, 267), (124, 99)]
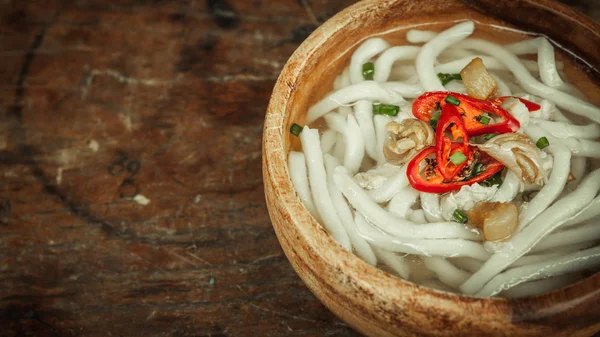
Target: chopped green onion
[(295, 129), (458, 158), (490, 136), (368, 70), (542, 143), (434, 120), (477, 169), (376, 109), (484, 120), (386, 109), (460, 216), (446, 78), (452, 100), (496, 179)]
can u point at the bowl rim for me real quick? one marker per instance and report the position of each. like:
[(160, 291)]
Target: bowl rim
[(334, 255)]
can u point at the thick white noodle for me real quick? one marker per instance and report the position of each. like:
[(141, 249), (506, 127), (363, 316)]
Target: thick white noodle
[(430, 51), (420, 36), (431, 206), (535, 256), (335, 122), (402, 228), (392, 186), (361, 247), (522, 242), (380, 121), (355, 145), (328, 139), (546, 59), (394, 261), (339, 148), (574, 262), (436, 285), (578, 168), (490, 62), (345, 79), (539, 287), (502, 88), (456, 86), (318, 185), (529, 83), (446, 271), (452, 54), (567, 130), (402, 202), (404, 89), (363, 54), (524, 47), (547, 63), (591, 212), (582, 147), (385, 61), (577, 235), (509, 189), (467, 263), (367, 90), (556, 182), (417, 216), (297, 168), (336, 83), (344, 110), (363, 110), (440, 247)]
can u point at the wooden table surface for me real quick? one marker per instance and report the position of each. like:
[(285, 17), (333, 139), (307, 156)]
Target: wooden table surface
[(101, 101)]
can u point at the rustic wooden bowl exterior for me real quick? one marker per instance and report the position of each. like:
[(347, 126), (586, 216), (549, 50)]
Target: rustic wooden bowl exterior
[(369, 299)]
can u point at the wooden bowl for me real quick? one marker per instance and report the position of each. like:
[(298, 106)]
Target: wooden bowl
[(369, 299)]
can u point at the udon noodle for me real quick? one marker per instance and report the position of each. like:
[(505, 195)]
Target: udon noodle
[(426, 193)]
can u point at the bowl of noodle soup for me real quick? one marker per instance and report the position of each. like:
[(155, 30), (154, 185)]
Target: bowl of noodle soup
[(434, 169)]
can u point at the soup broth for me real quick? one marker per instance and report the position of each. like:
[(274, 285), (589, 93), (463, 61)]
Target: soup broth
[(471, 194)]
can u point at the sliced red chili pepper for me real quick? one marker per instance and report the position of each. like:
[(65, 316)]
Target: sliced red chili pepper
[(432, 181), (529, 104), (450, 119), (470, 108)]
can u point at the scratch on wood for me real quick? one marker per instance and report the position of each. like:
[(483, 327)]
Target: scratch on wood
[(122, 78), (59, 176), (279, 313), (264, 258), (152, 314), (309, 11), (239, 78)]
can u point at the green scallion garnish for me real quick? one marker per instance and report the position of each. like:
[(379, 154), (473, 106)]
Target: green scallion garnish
[(542, 143), (484, 120), (452, 100), (434, 120), (477, 169), (295, 129), (386, 109), (368, 71), (460, 216), (496, 179), (489, 136), (458, 158), (446, 78)]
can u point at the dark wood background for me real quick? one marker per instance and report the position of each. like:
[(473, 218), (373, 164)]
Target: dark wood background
[(103, 100)]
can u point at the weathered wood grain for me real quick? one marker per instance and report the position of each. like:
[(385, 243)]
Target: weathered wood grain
[(104, 100)]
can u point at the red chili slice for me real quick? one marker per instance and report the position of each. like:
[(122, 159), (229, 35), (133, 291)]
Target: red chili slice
[(451, 119), (471, 110), (433, 181), (529, 104)]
